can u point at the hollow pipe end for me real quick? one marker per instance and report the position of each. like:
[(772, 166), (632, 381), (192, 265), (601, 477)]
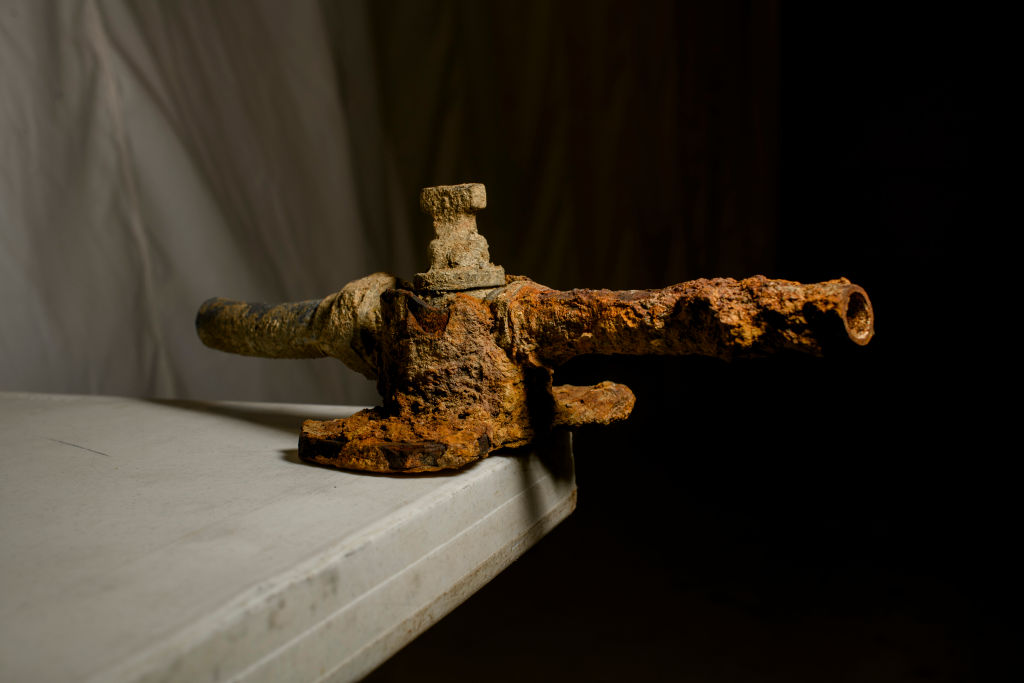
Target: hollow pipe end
[(858, 315)]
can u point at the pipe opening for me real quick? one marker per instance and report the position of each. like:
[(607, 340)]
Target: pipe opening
[(859, 318)]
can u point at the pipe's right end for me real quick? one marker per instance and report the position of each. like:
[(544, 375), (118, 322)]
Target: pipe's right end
[(858, 316)]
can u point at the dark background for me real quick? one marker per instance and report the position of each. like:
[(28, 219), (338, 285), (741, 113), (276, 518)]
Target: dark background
[(788, 519)]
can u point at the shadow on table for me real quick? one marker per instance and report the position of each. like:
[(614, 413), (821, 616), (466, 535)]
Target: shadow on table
[(279, 416), (292, 455), (554, 452)]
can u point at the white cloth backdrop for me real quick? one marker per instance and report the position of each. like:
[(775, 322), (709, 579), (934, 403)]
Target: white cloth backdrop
[(155, 154)]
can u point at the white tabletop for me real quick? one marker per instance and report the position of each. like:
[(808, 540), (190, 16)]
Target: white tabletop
[(179, 541)]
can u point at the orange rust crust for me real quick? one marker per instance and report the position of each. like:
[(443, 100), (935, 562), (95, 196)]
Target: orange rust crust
[(374, 442), (602, 403), (463, 376), (721, 318)]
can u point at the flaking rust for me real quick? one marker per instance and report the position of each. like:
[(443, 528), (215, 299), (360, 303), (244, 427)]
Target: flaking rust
[(464, 357)]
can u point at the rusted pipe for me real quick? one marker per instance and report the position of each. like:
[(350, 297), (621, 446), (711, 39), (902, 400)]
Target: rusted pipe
[(465, 360), (345, 325), (252, 329), (721, 318)]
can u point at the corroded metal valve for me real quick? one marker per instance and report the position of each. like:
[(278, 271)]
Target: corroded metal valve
[(464, 357)]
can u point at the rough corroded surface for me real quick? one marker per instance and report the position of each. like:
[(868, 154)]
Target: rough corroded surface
[(463, 376), (721, 318), (374, 442), (349, 325), (459, 257), (345, 325), (444, 360), (282, 331), (602, 403), (465, 373)]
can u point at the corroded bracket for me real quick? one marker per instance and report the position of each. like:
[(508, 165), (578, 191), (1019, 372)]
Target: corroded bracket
[(464, 360)]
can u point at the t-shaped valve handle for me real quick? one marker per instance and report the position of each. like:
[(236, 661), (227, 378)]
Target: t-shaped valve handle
[(459, 258)]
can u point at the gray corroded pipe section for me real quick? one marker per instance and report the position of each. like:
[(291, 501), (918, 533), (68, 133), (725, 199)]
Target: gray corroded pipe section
[(253, 329), (345, 325)]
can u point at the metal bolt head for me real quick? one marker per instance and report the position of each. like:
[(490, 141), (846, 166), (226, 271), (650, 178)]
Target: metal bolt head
[(450, 201)]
